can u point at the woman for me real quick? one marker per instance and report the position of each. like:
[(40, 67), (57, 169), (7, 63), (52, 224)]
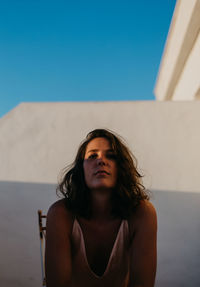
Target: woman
[(103, 233)]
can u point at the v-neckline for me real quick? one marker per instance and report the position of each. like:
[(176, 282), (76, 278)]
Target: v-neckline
[(111, 253)]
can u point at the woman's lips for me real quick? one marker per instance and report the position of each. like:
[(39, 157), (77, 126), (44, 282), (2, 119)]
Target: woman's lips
[(102, 172)]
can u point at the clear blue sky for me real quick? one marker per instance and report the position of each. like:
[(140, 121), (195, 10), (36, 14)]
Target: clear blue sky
[(80, 50)]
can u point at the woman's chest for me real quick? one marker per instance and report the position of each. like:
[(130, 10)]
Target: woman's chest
[(99, 242)]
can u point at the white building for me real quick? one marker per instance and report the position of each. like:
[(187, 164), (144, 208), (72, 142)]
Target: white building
[(179, 73)]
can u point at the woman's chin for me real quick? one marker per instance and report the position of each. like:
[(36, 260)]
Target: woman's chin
[(101, 187)]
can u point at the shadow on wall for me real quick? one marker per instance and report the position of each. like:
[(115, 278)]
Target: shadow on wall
[(178, 234), (178, 238)]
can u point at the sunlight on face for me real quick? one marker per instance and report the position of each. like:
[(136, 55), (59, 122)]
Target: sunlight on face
[(100, 168)]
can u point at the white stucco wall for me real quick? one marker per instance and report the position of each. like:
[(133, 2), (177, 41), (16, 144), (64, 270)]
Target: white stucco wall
[(179, 69), (189, 81), (38, 140)]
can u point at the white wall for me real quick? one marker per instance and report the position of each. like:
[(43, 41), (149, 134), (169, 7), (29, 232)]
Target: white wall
[(189, 81), (38, 140), (179, 69)]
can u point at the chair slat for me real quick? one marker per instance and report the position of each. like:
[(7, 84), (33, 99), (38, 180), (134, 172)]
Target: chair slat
[(42, 234)]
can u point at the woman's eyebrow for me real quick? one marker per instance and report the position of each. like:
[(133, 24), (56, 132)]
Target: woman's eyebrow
[(96, 150), (92, 150)]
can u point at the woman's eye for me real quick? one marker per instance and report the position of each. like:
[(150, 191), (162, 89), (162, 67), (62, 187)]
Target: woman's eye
[(92, 156), (111, 156)]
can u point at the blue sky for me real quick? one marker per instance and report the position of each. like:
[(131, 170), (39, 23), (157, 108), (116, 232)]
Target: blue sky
[(80, 50)]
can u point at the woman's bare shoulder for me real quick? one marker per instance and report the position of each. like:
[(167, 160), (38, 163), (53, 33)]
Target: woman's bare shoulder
[(59, 207), (145, 209), (58, 214), (143, 217)]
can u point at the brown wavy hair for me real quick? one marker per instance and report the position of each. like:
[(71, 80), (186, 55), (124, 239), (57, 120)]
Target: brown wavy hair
[(129, 189)]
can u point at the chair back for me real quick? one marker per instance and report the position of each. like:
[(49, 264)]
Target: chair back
[(42, 235)]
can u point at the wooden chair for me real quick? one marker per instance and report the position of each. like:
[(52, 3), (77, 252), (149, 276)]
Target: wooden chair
[(42, 234)]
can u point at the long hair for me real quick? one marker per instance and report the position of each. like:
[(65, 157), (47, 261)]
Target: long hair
[(129, 190)]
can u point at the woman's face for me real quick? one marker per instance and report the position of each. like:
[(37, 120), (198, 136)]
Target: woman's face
[(100, 168)]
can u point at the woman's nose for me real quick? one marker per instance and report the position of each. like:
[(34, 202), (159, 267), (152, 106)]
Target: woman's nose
[(101, 160)]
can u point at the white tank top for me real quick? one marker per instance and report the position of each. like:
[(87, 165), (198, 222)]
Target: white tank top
[(117, 270)]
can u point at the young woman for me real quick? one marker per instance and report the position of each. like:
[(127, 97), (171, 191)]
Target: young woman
[(103, 233)]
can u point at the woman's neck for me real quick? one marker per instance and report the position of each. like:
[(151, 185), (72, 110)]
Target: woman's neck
[(101, 205)]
